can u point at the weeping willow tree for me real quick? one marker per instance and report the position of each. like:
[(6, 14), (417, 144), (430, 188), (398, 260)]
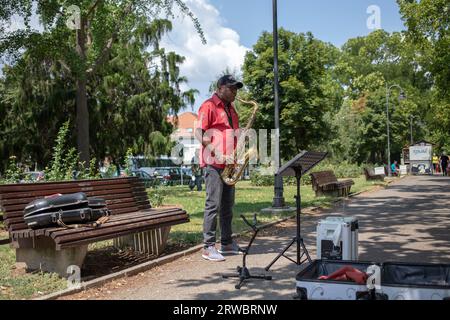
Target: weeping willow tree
[(109, 76), (84, 47)]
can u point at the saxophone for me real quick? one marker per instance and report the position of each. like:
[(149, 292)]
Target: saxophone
[(233, 172)]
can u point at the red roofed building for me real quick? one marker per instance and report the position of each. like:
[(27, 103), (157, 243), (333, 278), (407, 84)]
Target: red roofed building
[(184, 134)]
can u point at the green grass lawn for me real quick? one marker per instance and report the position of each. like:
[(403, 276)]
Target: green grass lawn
[(249, 200)]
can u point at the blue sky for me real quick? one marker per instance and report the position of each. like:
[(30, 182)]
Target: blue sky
[(233, 26), (329, 20)]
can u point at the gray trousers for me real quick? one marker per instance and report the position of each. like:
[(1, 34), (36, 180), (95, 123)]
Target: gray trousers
[(219, 200)]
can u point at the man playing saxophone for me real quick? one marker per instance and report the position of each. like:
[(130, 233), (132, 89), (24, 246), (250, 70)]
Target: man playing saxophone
[(215, 130)]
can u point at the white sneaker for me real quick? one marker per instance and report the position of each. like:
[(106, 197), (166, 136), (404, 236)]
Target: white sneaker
[(210, 253)]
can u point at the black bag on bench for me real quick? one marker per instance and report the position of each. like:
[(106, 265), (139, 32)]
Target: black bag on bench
[(63, 210), (96, 203), (56, 202)]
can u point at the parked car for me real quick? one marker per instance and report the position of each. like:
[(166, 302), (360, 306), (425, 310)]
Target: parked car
[(149, 180), (175, 174), (34, 176), (169, 176), (162, 175)]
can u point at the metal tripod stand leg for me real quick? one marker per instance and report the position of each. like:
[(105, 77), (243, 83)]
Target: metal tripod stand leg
[(301, 248), (300, 252), (244, 274)]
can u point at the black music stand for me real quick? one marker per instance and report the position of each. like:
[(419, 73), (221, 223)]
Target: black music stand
[(298, 166)]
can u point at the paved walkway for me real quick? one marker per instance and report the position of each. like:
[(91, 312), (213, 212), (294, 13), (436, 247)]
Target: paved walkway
[(408, 221)]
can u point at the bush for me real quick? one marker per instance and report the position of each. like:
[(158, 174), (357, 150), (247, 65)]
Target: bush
[(260, 180), (64, 160), (341, 170), (156, 196), (65, 164), (13, 174)]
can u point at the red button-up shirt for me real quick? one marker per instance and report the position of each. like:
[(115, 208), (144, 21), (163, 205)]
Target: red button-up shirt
[(214, 120)]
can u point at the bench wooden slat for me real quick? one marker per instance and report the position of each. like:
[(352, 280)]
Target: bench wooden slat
[(21, 187), (90, 191), (112, 206), (132, 230), (19, 207), (19, 204), (17, 223), (49, 231), (66, 233), (114, 220)]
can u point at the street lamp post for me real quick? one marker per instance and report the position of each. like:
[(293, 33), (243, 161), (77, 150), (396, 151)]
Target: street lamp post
[(388, 91), (278, 200), (411, 129)]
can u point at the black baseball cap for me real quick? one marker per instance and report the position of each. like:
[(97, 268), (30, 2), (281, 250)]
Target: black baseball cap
[(228, 80)]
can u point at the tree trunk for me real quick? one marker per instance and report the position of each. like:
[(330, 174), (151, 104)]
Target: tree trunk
[(82, 123), (82, 108)]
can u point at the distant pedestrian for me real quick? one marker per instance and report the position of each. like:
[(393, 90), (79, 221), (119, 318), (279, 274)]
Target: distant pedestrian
[(444, 161), (435, 163), (394, 168)]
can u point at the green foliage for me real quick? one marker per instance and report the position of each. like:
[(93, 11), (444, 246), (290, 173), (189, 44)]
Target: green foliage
[(259, 180), (341, 170), (65, 164), (127, 76), (331, 99), (367, 67), (428, 24), (64, 158), (307, 91), (89, 173), (128, 164), (156, 196), (13, 174)]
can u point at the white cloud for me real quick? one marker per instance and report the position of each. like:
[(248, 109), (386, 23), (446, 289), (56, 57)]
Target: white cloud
[(205, 62)]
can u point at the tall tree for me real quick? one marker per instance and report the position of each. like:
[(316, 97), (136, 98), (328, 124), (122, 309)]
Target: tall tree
[(84, 51), (428, 23), (306, 88), (366, 67)]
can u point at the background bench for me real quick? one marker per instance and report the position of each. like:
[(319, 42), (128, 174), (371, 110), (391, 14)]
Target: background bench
[(133, 223), (326, 183), (370, 174)]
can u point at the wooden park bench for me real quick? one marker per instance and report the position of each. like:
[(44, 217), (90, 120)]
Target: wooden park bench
[(325, 183), (132, 223), (370, 174)]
